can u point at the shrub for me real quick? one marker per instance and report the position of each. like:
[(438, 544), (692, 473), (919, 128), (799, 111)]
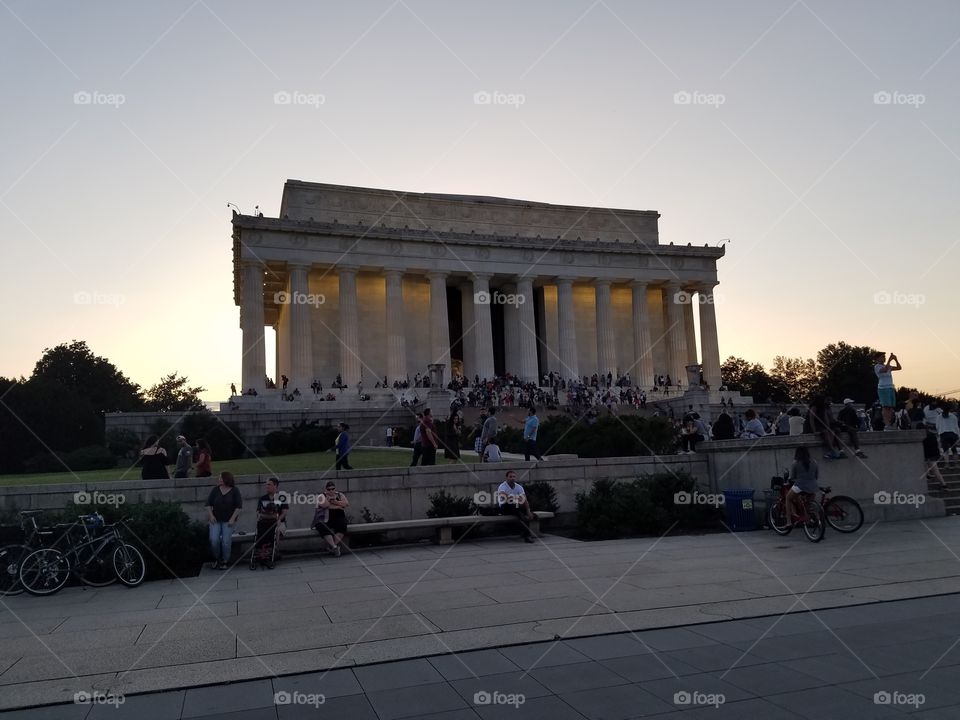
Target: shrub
[(644, 506), (442, 504), (277, 442), (542, 496), (123, 443), (91, 457), (607, 437), (225, 439), (510, 439)]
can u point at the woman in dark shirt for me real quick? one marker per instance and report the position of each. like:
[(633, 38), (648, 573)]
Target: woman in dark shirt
[(223, 507), (203, 461), (153, 460)]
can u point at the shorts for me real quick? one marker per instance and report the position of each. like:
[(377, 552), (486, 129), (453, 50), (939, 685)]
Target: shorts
[(888, 397)]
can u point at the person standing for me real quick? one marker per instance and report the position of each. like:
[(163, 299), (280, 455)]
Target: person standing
[(949, 431), (223, 508), (204, 458), (530, 429), (884, 368), (184, 458), (490, 428), (153, 460), (342, 446), (428, 438), (478, 433), (233, 389), (417, 441), (389, 437)]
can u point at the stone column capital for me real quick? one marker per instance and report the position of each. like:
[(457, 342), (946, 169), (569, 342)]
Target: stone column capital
[(481, 276), (706, 287), (299, 266), (438, 275), (565, 280), (253, 265), (602, 282), (393, 273), (347, 269), (639, 284)]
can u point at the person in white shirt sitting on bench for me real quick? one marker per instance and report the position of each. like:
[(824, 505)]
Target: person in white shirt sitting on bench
[(511, 500)]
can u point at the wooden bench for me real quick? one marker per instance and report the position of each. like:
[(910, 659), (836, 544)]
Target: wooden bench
[(443, 526)]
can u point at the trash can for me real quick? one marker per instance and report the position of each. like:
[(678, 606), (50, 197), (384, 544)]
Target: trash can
[(739, 509)]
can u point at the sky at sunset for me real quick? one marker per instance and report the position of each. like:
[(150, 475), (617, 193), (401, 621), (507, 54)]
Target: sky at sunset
[(820, 137)]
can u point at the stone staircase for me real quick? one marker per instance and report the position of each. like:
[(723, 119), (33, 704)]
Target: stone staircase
[(950, 495)]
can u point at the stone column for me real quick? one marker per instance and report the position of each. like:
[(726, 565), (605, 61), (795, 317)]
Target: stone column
[(350, 365), (483, 328), (606, 344), (301, 338), (529, 367), (709, 342), (469, 331), (396, 339), (567, 330), (253, 363), (511, 332), (676, 333), (439, 323), (642, 345), (692, 358)]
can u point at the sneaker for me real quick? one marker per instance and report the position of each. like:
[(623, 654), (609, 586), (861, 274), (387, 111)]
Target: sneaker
[(861, 454), (529, 539), (336, 551), (215, 565), (221, 566)]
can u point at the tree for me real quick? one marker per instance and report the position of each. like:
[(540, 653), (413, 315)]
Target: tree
[(798, 377), (78, 371), (734, 372), (751, 379), (173, 393), (846, 371)]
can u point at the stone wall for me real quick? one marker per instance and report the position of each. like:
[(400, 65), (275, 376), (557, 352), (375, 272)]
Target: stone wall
[(894, 463)]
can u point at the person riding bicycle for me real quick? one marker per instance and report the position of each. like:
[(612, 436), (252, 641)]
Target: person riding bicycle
[(805, 474)]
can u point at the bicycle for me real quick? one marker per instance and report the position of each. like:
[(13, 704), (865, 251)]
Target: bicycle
[(811, 519), (842, 512), (98, 557), (30, 537)]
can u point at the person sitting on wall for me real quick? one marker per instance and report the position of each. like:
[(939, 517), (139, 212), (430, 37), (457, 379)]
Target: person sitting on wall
[(849, 423), (723, 427), (753, 428), (512, 500), (491, 453)]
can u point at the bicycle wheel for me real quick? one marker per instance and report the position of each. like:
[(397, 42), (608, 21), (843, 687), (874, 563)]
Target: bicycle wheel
[(11, 557), (843, 513), (815, 526), (44, 571), (98, 571), (777, 519), (129, 565)]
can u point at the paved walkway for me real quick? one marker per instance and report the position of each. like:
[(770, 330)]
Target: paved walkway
[(313, 614), (876, 661)]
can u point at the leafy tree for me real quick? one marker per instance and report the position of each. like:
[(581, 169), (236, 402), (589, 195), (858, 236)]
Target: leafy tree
[(751, 379), (798, 376), (846, 371), (74, 367), (173, 393)]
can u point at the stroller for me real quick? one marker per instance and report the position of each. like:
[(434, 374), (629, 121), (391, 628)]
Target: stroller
[(266, 546)]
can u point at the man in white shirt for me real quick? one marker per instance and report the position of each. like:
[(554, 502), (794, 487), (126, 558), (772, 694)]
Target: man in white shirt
[(511, 500)]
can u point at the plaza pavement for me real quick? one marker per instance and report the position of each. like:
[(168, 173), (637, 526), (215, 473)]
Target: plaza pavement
[(313, 614)]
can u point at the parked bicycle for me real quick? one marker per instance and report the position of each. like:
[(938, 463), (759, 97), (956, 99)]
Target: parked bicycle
[(91, 551), (29, 537)]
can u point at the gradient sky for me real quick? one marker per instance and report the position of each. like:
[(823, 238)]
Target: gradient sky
[(829, 197)]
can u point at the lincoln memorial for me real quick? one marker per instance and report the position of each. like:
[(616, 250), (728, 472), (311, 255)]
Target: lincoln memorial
[(367, 284)]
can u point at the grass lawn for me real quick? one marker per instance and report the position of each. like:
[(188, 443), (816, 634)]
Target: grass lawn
[(303, 462)]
